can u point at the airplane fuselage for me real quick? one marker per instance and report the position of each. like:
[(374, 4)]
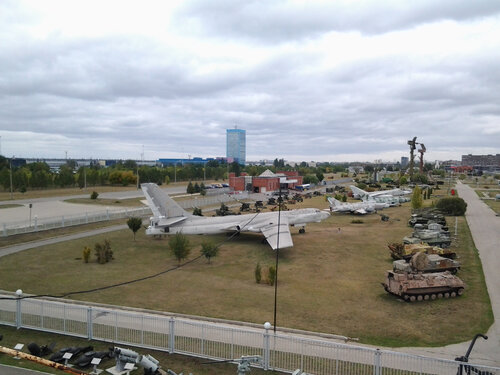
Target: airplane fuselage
[(233, 223)]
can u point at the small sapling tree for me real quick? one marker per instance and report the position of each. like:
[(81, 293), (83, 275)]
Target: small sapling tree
[(209, 250), (180, 246), (134, 223)]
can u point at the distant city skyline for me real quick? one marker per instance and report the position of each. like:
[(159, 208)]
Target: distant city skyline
[(308, 81)]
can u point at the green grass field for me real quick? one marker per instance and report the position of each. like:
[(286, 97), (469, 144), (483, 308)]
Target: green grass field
[(330, 281)]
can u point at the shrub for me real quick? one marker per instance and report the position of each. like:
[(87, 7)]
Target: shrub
[(416, 199), (271, 276), (357, 221), (94, 195), (209, 250), (197, 211), (86, 254), (258, 273), (103, 252), (453, 206), (180, 246)]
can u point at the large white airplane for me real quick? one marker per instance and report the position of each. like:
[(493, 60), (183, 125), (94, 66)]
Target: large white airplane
[(359, 208), (393, 196), (169, 217)]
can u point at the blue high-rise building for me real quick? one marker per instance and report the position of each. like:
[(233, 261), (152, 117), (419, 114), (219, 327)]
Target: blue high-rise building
[(236, 145)]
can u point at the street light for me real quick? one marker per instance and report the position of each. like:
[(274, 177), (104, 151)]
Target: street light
[(11, 197)]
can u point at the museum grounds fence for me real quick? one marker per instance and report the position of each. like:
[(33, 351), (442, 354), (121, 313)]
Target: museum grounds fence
[(40, 224), (219, 340)]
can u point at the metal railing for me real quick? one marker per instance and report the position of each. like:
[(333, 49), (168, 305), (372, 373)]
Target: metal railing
[(284, 352), (41, 224)]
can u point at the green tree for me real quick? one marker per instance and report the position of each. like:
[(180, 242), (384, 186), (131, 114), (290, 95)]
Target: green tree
[(209, 250), (271, 276), (258, 273), (453, 206), (310, 179), (134, 223), (403, 180), (416, 199), (190, 188), (197, 211), (320, 176), (180, 246)]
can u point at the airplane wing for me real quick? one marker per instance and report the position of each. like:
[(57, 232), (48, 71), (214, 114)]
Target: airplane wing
[(361, 211), (270, 231)]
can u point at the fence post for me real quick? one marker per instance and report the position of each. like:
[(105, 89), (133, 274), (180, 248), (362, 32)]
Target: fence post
[(4, 230), (19, 321), (86, 217), (171, 336), (267, 325), (90, 332), (36, 223), (62, 221), (376, 365), (107, 213)]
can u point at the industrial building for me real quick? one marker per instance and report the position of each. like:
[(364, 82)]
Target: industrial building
[(265, 182), (481, 160), (236, 145)]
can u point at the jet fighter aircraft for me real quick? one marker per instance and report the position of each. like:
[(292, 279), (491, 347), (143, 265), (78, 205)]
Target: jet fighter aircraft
[(359, 208)]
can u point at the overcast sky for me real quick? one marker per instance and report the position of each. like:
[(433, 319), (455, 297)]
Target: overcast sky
[(308, 80)]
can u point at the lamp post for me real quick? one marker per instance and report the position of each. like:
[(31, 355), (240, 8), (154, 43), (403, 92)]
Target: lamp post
[(11, 197), (277, 258)]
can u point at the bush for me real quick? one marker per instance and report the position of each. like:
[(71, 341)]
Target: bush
[(180, 246), (86, 254), (258, 273), (271, 276), (94, 195), (453, 206), (209, 250), (197, 211), (357, 221), (103, 252)]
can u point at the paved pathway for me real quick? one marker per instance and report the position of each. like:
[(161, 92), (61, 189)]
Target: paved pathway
[(9, 370), (30, 245)]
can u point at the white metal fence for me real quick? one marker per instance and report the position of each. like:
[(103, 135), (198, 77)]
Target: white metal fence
[(40, 224), (218, 340)]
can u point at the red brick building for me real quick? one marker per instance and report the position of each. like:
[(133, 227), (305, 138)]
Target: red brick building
[(266, 182)]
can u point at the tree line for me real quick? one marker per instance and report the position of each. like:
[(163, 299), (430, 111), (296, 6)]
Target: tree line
[(38, 175)]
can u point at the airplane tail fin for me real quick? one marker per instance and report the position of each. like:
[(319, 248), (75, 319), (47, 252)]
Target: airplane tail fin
[(160, 203), (357, 191), (333, 202)]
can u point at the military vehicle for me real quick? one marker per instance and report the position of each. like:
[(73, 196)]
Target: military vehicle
[(426, 263), (406, 251), (423, 286), (427, 216), (431, 237)]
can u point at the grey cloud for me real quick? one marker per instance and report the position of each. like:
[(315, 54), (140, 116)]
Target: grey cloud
[(281, 21)]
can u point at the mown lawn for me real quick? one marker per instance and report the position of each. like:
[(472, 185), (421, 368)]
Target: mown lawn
[(330, 281)]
